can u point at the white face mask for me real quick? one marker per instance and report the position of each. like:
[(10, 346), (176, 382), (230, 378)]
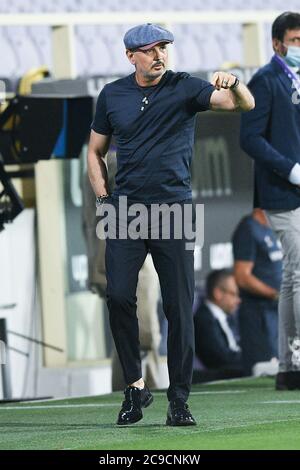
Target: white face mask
[(292, 57)]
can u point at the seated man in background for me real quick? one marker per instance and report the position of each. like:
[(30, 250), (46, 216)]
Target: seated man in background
[(215, 343), (258, 270)]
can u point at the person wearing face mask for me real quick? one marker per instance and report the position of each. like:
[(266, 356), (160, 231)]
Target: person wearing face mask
[(270, 134)]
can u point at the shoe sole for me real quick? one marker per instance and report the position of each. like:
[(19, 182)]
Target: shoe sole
[(169, 422), (132, 422)]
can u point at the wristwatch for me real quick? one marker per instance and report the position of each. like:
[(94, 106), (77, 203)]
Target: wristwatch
[(101, 199)]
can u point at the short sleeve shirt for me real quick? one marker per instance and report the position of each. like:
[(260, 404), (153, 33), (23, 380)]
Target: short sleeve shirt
[(258, 243), (154, 144)]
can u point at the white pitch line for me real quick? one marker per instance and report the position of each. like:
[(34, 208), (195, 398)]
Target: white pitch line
[(51, 400), (279, 402), (218, 392), (44, 407), (208, 392), (246, 425), (103, 405)]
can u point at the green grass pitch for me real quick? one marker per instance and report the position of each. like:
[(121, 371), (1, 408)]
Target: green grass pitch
[(236, 414)]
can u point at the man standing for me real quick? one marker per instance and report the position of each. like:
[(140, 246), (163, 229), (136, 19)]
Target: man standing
[(270, 134), (152, 116), (258, 272)]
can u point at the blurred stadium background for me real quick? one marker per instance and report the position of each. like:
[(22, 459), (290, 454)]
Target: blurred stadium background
[(56, 330), (98, 47)]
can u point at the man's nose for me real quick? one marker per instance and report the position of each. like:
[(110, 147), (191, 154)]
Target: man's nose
[(158, 54)]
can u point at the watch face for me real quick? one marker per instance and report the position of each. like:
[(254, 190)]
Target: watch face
[(101, 199), (98, 202)]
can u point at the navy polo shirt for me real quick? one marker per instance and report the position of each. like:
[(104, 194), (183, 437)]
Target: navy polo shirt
[(255, 242), (154, 145)]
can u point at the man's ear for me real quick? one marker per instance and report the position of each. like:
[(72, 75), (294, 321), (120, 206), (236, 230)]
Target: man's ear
[(276, 45), (216, 293), (130, 56)]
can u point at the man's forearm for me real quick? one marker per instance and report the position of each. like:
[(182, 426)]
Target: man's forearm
[(242, 97), (255, 286), (97, 172)]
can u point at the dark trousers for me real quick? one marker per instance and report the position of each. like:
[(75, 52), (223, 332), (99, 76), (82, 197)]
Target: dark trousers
[(258, 326), (175, 267)]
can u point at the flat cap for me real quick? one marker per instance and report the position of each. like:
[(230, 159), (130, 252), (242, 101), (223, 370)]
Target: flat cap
[(145, 36)]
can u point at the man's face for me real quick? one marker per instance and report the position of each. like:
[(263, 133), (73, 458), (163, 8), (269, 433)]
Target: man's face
[(226, 295), (291, 38), (149, 64)]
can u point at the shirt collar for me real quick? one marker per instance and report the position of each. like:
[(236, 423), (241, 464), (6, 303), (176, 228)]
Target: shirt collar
[(221, 317), (295, 70), (217, 312)]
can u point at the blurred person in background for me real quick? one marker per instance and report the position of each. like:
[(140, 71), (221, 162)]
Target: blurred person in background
[(152, 116), (215, 342), (258, 271), (270, 134)]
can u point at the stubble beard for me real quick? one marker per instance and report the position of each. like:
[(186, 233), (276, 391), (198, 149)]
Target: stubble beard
[(153, 74)]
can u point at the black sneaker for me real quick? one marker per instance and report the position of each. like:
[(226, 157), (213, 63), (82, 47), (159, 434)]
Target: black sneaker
[(179, 414), (135, 400)]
